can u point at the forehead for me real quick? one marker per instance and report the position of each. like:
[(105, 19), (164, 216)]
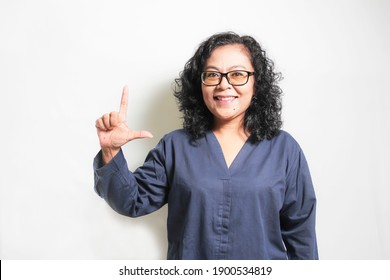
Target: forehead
[(229, 56)]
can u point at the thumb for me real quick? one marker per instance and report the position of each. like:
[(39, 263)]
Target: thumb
[(137, 134)]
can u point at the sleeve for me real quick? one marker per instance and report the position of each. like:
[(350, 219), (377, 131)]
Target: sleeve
[(132, 193), (298, 212)]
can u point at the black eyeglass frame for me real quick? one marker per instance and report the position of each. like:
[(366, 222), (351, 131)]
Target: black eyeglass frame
[(227, 77)]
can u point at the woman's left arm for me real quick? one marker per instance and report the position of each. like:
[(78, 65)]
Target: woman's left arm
[(298, 214)]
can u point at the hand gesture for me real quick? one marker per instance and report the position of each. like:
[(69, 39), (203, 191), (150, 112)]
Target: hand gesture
[(113, 131)]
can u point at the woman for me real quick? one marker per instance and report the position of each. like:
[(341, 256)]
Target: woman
[(237, 187)]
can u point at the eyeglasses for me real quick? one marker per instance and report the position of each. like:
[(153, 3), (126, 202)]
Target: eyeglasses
[(235, 78)]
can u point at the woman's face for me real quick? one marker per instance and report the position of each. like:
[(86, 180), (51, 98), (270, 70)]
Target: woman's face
[(226, 102)]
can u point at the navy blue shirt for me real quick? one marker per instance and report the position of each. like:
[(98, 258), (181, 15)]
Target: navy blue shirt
[(261, 207)]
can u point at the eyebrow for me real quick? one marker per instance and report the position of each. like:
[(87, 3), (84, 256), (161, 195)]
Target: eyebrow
[(230, 68)]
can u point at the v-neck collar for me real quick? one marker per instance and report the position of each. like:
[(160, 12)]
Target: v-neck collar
[(216, 150)]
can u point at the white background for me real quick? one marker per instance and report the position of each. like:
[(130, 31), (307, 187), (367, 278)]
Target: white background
[(63, 64)]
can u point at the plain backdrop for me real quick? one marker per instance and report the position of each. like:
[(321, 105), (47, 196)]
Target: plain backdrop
[(63, 64)]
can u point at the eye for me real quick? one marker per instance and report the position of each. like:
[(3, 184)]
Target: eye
[(238, 74), (212, 74)]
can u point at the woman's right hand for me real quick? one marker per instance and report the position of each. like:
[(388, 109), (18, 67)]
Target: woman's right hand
[(113, 131)]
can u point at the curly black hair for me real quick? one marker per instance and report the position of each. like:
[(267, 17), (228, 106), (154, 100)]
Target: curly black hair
[(262, 118)]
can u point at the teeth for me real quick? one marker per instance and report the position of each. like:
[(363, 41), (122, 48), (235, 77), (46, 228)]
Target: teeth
[(225, 98)]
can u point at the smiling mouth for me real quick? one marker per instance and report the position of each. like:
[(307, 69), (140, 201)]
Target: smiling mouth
[(225, 98)]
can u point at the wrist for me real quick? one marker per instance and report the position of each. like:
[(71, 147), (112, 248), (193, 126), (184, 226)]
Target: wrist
[(108, 154)]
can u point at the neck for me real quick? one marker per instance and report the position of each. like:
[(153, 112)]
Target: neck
[(231, 128)]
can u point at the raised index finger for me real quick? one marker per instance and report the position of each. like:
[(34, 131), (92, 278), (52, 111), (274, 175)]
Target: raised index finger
[(123, 107)]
